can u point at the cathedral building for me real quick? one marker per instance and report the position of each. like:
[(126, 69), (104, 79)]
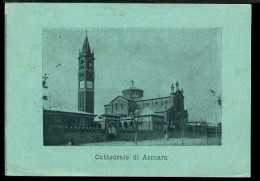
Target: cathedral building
[(168, 109)]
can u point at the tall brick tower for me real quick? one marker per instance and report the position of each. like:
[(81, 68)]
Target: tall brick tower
[(86, 76)]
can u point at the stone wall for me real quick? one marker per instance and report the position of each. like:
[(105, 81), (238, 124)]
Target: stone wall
[(79, 137), (62, 137)]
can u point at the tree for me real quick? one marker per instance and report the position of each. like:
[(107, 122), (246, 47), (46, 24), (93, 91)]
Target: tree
[(44, 81), (44, 86), (133, 111), (220, 100)]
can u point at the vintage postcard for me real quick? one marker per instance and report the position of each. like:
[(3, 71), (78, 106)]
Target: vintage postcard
[(90, 108), (128, 90)]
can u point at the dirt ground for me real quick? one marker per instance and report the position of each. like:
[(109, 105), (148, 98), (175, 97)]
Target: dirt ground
[(162, 142)]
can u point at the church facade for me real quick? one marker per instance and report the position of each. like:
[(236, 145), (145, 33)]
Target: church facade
[(158, 110), (168, 109)]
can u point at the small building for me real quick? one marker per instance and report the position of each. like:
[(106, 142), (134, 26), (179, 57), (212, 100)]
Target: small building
[(146, 120), (197, 126), (67, 119), (204, 127), (57, 122)]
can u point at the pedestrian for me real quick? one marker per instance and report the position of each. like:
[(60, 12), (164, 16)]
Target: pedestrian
[(71, 142)]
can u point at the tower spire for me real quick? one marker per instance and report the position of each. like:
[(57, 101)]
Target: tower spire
[(86, 47), (177, 85), (172, 88), (86, 80)]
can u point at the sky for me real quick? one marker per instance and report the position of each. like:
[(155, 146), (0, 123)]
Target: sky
[(152, 57)]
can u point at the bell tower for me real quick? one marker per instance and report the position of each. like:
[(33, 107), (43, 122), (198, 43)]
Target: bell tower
[(86, 76)]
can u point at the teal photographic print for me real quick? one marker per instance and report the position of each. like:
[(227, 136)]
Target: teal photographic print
[(90, 108), (128, 90)]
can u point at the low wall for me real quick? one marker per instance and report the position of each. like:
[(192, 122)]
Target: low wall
[(54, 140), (78, 137), (87, 137), (142, 135), (81, 137)]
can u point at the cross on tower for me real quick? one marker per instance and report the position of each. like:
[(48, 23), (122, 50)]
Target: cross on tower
[(132, 82)]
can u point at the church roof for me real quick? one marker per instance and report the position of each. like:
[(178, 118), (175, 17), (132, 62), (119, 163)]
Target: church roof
[(112, 115), (126, 118), (148, 112), (54, 109), (162, 109), (178, 91), (132, 88), (149, 99), (118, 97)]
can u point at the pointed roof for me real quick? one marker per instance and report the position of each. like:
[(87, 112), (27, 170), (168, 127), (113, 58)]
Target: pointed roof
[(146, 111), (86, 46), (120, 97), (162, 109), (177, 84), (55, 109), (179, 91)]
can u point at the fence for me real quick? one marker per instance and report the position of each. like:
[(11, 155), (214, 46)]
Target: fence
[(61, 136)]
